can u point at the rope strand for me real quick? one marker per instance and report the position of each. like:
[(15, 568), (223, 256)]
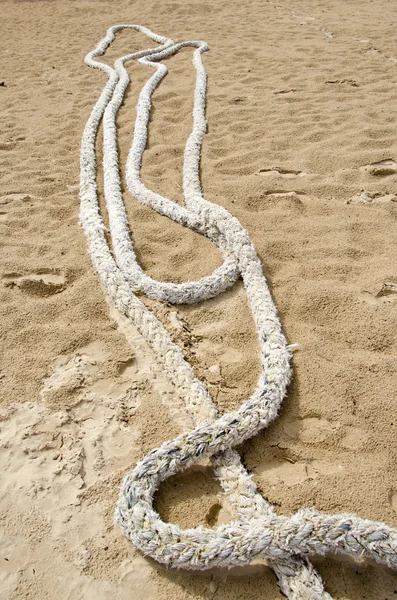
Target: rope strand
[(257, 533)]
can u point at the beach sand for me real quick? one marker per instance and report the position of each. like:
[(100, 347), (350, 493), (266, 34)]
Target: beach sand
[(302, 149)]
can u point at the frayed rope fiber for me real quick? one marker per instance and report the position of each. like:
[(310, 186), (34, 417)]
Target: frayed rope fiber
[(257, 533)]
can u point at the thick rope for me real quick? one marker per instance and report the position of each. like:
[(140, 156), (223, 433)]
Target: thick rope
[(257, 533)]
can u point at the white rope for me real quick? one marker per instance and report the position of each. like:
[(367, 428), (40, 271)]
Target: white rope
[(257, 533)]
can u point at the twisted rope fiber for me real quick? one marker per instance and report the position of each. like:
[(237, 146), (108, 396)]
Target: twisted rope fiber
[(258, 533)]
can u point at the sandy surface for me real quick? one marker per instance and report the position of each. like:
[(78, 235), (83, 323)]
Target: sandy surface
[(301, 147)]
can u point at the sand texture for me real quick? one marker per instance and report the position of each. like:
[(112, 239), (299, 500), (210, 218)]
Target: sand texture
[(302, 148)]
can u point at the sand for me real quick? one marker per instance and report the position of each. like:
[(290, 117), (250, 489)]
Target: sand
[(302, 148)]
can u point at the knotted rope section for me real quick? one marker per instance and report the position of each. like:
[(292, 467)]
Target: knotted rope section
[(257, 533)]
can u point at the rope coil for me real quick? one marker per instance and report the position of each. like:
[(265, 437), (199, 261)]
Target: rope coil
[(257, 532)]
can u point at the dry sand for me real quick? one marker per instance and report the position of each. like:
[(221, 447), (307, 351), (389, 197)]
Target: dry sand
[(302, 148)]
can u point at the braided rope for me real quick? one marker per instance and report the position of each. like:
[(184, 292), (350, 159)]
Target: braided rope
[(258, 533)]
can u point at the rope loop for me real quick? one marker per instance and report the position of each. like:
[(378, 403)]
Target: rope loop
[(257, 532)]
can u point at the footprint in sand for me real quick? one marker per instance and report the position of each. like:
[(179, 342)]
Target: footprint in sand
[(355, 438), (382, 168), (136, 574), (9, 201), (278, 471), (285, 471), (310, 430), (79, 372), (287, 173), (44, 282), (387, 293), (372, 198), (75, 371), (291, 198), (276, 198)]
